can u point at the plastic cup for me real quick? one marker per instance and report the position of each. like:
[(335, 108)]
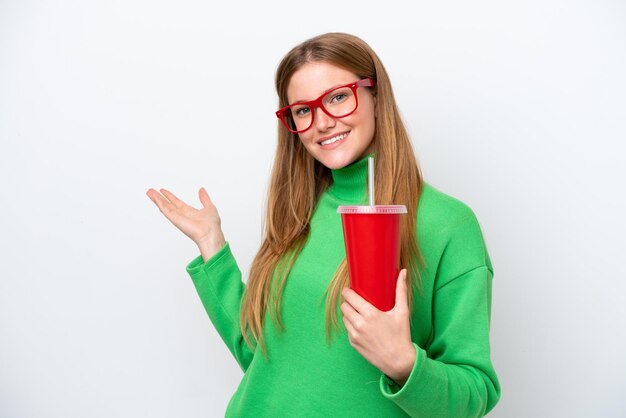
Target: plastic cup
[(372, 238)]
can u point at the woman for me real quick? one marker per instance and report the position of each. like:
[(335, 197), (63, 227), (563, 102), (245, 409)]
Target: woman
[(429, 355)]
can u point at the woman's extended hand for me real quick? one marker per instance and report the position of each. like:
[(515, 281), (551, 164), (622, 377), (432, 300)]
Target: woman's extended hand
[(203, 226), (383, 338)]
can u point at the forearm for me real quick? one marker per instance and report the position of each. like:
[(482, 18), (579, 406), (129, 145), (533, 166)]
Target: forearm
[(219, 285), (456, 378), (442, 390)]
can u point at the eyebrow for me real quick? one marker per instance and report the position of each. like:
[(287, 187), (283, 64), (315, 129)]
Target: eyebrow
[(325, 91)]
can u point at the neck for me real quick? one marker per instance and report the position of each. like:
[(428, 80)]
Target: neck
[(350, 182)]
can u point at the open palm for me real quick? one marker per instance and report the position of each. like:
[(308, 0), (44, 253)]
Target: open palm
[(198, 224)]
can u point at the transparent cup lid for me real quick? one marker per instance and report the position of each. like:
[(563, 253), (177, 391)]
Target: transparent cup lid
[(376, 209)]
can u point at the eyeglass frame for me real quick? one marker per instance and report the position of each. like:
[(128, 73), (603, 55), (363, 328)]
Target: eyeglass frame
[(312, 104)]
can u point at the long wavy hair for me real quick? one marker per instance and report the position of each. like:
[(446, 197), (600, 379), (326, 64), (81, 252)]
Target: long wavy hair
[(298, 181)]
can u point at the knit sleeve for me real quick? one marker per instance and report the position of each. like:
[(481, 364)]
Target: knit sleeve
[(454, 376), (219, 285)]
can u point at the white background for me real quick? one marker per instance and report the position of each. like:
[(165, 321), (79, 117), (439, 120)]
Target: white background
[(516, 108)]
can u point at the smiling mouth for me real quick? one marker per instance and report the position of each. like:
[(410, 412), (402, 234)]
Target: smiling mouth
[(334, 139)]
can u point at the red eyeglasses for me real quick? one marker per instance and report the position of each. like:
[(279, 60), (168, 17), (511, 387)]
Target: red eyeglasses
[(339, 102)]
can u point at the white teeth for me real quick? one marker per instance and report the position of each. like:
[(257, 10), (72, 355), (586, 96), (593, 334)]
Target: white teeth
[(333, 139)]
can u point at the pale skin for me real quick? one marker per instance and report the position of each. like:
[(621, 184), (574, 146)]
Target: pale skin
[(202, 226), (382, 338)]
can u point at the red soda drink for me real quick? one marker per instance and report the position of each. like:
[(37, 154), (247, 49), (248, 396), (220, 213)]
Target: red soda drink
[(372, 239)]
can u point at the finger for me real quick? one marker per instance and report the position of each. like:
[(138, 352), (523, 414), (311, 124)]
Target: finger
[(348, 324), (401, 289), (162, 203), (350, 313), (167, 208), (204, 198), (352, 332), (175, 201), (358, 303)]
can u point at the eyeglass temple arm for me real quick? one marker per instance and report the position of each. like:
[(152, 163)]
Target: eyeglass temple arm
[(366, 82)]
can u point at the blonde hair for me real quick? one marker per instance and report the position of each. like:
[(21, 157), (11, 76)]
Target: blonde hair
[(298, 181)]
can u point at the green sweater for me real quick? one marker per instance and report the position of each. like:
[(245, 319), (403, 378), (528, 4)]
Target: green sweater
[(304, 377)]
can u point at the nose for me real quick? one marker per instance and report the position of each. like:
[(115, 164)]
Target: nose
[(323, 122)]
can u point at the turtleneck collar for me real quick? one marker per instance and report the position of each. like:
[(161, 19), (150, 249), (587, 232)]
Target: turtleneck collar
[(350, 182)]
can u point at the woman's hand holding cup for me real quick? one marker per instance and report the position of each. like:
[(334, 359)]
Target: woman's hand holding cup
[(203, 226)]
